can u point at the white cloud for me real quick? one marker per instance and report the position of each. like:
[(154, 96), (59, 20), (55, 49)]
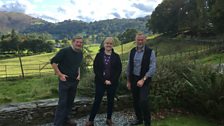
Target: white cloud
[(86, 10)]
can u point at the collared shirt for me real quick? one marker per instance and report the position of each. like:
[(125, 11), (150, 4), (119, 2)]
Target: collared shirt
[(138, 61)]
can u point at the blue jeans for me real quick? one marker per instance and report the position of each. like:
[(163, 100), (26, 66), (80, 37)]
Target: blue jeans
[(67, 92)]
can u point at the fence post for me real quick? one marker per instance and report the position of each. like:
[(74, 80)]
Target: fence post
[(39, 70), (21, 64), (6, 72)]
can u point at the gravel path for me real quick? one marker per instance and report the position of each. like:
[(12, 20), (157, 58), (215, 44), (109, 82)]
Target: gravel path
[(122, 118)]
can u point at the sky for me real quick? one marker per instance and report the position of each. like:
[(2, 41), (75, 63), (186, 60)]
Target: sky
[(85, 10)]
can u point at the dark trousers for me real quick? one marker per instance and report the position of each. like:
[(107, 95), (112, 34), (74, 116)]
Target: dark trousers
[(99, 93), (140, 100), (67, 92)]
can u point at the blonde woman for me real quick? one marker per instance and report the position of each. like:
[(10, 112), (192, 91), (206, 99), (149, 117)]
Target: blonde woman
[(107, 68)]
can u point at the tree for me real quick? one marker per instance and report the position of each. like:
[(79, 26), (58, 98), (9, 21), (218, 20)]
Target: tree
[(127, 36), (217, 15), (173, 17), (10, 42)]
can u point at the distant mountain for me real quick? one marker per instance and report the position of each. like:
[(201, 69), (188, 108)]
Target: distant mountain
[(17, 21), (69, 28)]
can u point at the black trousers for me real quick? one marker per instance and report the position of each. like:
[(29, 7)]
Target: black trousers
[(67, 92), (100, 89), (140, 100)]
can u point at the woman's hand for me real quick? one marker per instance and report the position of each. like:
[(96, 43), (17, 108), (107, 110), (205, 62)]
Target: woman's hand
[(107, 82)]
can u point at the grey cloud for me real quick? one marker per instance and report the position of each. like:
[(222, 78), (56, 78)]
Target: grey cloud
[(13, 7), (85, 19), (117, 15), (129, 14), (142, 7), (92, 12), (48, 18), (80, 11), (61, 10)]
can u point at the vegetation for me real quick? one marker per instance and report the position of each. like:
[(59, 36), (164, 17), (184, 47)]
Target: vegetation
[(95, 30), (17, 21), (178, 120), (191, 17), (29, 44)]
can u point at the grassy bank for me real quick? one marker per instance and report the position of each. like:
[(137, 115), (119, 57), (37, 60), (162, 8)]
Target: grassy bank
[(187, 120)]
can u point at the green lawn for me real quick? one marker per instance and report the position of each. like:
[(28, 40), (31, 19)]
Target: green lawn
[(28, 89), (33, 65), (183, 121)]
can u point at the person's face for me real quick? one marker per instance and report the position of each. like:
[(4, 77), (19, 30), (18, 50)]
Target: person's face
[(140, 40), (77, 44), (108, 45)]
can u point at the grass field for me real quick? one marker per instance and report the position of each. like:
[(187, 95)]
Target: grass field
[(183, 121), (28, 89), (33, 64)]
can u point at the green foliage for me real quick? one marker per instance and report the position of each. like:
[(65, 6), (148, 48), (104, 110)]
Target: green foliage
[(32, 43), (217, 15), (127, 36), (204, 91), (69, 28), (190, 17)]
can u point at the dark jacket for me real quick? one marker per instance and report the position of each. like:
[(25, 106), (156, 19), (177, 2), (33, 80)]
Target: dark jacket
[(98, 67)]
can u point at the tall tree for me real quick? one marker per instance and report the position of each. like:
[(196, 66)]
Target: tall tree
[(217, 15)]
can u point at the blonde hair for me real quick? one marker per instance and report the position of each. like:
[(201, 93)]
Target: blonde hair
[(108, 39)]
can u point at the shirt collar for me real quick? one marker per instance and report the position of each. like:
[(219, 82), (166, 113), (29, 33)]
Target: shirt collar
[(142, 49)]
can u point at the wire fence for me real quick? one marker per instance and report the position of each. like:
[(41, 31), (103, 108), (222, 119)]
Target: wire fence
[(44, 68), (14, 71)]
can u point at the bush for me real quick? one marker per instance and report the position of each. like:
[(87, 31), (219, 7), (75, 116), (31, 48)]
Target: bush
[(204, 91)]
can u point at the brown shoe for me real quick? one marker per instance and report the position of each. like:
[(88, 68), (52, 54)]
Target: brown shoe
[(71, 123), (109, 122), (89, 123)]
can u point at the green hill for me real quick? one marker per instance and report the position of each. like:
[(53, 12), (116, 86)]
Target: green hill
[(17, 21)]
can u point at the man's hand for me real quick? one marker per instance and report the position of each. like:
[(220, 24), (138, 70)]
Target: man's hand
[(62, 77), (140, 83), (128, 85), (107, 82)]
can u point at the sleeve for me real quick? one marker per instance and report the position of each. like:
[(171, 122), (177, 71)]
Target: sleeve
[(152, 65), (118, 68), (128, 67), (58, 57), (97, 67)]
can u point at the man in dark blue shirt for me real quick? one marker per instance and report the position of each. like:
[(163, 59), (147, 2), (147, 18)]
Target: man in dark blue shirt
[(66, 64)]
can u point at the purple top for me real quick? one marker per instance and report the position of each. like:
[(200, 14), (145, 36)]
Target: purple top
[(107, 68)]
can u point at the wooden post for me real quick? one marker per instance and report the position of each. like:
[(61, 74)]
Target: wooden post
[(21, 64), (39, 71), (6, 72)]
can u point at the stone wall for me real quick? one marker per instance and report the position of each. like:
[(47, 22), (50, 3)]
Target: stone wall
[(42, 111)]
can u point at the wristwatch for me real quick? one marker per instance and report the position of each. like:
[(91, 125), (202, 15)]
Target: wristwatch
[(144, 78)]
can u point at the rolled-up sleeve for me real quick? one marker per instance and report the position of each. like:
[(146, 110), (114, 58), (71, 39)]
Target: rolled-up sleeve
[(152, 65)]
